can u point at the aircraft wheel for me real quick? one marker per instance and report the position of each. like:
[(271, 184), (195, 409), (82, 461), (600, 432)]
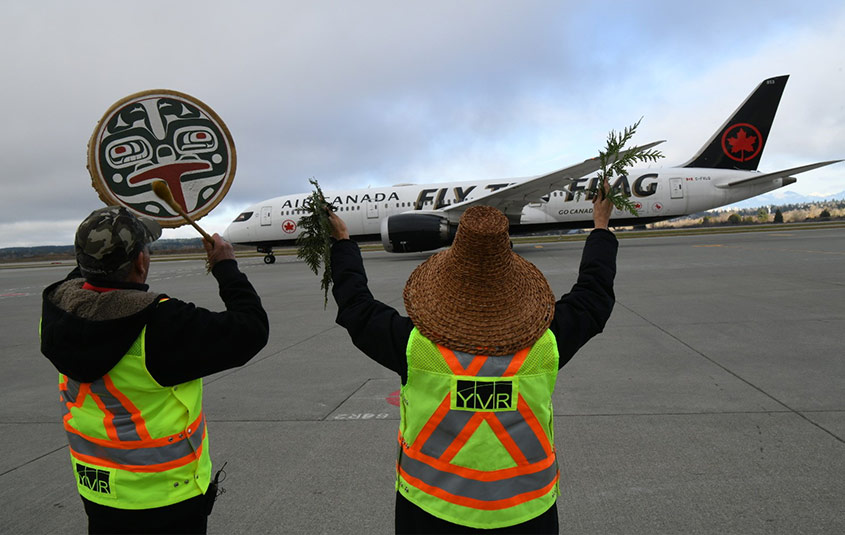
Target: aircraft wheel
[(269, 259)]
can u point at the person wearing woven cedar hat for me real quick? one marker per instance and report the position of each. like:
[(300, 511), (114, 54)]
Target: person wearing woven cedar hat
[(131, 364), (478, 357)]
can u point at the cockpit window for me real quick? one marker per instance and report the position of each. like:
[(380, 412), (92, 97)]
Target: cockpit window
[(243, 217)]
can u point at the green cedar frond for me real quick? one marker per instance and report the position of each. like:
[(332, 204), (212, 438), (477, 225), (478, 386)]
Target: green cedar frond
[(314, 243), (614, 159), (619, 200)]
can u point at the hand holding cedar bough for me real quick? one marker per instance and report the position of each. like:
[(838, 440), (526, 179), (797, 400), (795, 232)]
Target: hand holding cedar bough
[(163, 191)]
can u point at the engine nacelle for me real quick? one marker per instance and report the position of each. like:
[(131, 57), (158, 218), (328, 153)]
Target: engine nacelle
[(409, 233)]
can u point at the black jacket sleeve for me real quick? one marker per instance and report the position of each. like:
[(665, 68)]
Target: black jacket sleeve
[(186, 342), (584, 311), (376, 329)]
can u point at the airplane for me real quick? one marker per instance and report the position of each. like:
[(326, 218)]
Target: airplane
[(413, 218)]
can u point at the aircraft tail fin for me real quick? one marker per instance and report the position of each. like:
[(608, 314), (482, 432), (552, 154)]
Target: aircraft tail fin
[(739, 143)]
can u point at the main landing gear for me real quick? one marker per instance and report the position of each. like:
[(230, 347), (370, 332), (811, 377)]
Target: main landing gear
[(269, 259)]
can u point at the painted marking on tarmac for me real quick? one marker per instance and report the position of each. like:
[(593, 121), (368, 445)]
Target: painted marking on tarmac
[(17, 294), (362, 416), (393, 398)]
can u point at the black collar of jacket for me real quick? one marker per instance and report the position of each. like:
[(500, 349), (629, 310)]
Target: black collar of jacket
[(82, 349)]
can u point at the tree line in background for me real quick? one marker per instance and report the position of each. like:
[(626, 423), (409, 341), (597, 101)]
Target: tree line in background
[(65, 252), (787, 213)]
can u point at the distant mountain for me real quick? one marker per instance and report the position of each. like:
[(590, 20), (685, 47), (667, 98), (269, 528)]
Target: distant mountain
[(781, 198)]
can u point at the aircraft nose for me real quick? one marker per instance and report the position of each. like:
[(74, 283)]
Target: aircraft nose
[(226, 234)]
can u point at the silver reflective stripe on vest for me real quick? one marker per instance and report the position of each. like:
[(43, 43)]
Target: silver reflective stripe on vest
[(123, 424), (464, 358), (495, 366), (487, 491), (515, 425), (139, 456), (445, 432), (492, 367), (69, 395), (523, 435)]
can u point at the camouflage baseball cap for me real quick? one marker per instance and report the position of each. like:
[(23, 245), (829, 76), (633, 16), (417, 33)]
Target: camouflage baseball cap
[(108, 238)]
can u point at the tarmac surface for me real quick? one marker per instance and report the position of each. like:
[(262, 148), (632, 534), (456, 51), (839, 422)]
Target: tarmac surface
[(714, 402)]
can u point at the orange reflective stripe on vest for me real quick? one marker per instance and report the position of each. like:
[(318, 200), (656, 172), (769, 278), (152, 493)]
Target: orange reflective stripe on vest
[(427, 465), (129, 445), (484, 495)]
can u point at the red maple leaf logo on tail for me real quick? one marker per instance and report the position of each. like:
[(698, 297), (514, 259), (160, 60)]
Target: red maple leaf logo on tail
[(742, 142), (742, 146)]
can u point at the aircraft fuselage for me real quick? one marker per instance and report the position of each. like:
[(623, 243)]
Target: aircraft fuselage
[(659, 194)]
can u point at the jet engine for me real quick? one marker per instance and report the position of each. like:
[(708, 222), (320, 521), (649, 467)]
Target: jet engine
[(409, 233)]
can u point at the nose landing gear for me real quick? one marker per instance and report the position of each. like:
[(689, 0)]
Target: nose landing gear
[(269, 258)]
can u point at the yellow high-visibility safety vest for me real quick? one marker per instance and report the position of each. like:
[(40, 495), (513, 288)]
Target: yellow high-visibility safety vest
[(135, 444), (476, 434)]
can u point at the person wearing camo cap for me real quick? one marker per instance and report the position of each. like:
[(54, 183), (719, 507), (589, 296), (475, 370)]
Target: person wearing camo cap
[(131, 363)]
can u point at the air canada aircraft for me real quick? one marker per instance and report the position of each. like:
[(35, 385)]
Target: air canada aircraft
[(410, 218)]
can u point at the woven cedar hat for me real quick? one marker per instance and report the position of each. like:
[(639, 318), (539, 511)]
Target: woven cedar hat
[(478, 296)]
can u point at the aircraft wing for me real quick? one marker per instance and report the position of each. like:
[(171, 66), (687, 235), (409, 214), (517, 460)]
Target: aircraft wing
[(513, 198), (777, 174)]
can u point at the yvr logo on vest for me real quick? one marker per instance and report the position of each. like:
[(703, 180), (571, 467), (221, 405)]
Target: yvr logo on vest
[(92, 478), (484, 394)]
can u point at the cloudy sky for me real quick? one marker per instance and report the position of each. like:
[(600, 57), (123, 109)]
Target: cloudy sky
[(370, 93)]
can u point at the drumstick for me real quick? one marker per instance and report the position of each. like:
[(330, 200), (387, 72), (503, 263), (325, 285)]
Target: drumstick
[(163, 191)]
